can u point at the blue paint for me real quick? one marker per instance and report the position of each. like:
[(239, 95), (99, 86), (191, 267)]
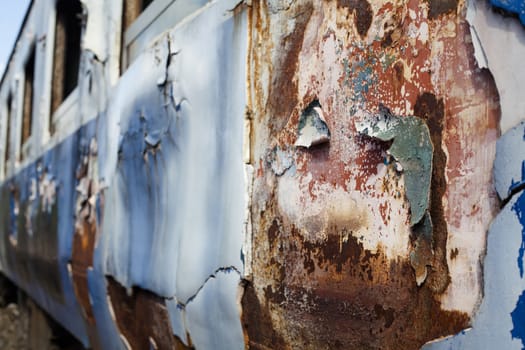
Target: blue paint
[(364, 79), (515, 6), (517, 183), (518, 320), (107, 332), (360, 76), (519, 209)]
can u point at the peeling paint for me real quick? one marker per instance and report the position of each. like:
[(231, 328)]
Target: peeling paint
[(324, 233), (412, 148), (242, 194), (280, 160), (312, 129), (493, 34), (509, 173)]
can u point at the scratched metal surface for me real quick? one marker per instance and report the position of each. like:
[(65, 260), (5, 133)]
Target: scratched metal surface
[(278, 174)]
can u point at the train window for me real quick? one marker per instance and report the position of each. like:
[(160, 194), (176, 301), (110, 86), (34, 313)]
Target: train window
[(66, 60), (143, 20), (7, 134), (27, 116), (132, 9)]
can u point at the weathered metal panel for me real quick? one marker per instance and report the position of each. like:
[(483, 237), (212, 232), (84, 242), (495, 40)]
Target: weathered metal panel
[(278, 174), (37, 235), (499, 320), (332, 230), (172, 175), (494, 34)]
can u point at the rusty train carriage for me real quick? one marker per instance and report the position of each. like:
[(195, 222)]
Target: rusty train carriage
[(266, 174)]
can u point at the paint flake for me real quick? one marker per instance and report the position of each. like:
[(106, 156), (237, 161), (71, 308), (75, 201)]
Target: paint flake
[(412, 148)]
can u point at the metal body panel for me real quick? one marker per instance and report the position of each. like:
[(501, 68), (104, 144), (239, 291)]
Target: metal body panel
[(499, 319), (37, 234), (331, 230), (273, 174)]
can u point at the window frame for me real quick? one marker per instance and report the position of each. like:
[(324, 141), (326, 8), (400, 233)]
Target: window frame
[(7, 133), (138, 25), (158, 16), (25, 143), (62, 112)]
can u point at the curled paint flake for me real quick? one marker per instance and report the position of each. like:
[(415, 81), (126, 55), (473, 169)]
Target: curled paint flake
[(413, 152), (412, 148), (312, 128)]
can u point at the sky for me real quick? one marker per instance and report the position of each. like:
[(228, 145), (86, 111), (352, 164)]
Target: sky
[(11, 17)]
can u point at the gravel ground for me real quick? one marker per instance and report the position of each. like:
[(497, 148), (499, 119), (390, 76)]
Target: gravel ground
[(13, 328), (25, 326)]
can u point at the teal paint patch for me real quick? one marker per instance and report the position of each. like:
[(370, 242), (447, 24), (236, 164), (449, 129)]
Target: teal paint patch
[(360, 76), (412, 149)]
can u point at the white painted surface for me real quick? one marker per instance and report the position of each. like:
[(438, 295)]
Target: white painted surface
[(502, 44)]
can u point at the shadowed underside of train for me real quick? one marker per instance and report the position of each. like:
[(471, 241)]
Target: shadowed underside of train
[(273, 174)]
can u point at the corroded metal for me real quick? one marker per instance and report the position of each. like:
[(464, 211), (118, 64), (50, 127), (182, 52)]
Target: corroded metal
[(270, 174), (332, 233)]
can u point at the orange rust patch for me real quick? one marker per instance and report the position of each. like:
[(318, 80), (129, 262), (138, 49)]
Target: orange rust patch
[(82, 259), (358, 299), (257, 323), (82, 253)]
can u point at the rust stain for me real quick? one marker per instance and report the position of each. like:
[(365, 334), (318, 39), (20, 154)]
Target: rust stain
[(283, 89), (454, 253), (398, 78), (384, 210), (322, 286), (142, 318), (431, 109), (359, 299), (257, 323), (84, 238), (362, 13), (439, 7)]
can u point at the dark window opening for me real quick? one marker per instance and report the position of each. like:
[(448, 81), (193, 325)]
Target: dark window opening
[(66, 60), (146, 3), (132, 9), (27, 117), (8, 133)]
